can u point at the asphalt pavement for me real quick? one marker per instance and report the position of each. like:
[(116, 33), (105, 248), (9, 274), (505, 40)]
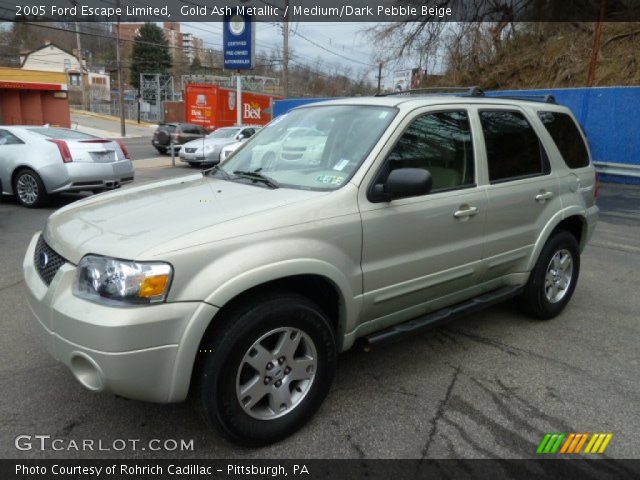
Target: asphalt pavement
[(487, 386)]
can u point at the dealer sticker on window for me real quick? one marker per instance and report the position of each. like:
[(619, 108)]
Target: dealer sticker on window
[(330, 179)]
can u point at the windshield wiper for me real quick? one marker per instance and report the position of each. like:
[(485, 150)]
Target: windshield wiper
[(215, 169), (255, 175)]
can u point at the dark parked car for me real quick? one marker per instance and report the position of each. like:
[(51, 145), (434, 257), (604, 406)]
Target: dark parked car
[(178, 133)]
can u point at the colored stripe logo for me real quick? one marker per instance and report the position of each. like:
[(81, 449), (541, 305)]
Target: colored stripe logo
[(574, 442)]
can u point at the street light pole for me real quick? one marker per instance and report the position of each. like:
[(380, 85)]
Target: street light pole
[(123, 132), (285, 52)]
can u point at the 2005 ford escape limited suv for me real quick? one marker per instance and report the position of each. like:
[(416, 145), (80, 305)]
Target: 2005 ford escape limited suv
[(239, 285)]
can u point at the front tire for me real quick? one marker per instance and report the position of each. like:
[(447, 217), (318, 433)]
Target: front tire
[(29, 189), (265, 370), (554, 277)]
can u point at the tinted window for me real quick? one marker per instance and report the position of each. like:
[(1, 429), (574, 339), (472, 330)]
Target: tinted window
[(513, 148), (565, 133), (8, 138), (440, 143), (167, 128)]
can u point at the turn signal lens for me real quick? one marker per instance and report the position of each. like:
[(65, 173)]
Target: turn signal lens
[(153, 286)]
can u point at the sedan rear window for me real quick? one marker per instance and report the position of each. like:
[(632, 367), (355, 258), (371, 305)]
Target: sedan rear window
[(61, 133)]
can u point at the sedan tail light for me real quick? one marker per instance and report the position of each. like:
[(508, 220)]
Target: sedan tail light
[(123, 147), (65, 153)]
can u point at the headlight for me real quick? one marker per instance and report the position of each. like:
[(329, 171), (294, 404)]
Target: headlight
[(113, 281)]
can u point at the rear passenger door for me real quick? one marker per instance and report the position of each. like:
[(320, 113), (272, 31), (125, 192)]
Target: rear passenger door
[(12, 152), (523, 192)]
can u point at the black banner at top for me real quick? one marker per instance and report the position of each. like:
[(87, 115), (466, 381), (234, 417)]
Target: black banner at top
[(322, 10)]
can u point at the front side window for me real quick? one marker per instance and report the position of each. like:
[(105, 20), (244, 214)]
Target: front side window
[(567, 138), (440, 143), (514, 150), (314, 147)]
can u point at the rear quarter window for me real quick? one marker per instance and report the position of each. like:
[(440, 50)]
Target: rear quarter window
[(565, 134)]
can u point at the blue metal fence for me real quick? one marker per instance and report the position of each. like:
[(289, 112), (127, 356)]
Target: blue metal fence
[(609, 115)]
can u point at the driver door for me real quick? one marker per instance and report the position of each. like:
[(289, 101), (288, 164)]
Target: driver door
[(420, 249)]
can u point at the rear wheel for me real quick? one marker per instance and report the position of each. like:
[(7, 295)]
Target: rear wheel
[(29, 189), (554, 277), (267, 370)]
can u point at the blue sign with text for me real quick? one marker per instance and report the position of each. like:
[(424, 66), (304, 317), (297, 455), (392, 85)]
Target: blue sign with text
[(238, 42)]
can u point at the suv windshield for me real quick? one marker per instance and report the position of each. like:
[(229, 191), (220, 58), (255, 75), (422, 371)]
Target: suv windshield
[(224, 133), (313, 148)]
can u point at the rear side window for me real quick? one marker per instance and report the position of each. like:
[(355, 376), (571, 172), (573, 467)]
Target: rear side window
[(565, 134), (514, 150), (167, 128)]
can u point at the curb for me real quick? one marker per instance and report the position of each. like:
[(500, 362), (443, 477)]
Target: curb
[(149, 163), (113, 118)]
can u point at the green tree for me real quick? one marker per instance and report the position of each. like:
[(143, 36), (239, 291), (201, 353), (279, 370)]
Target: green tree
[(150, 53), (196, 65)]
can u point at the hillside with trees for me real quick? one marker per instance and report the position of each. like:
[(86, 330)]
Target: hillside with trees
[(517, 55)]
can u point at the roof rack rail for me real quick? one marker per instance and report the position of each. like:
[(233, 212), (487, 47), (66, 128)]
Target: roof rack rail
[(460, 91), (529, 98)]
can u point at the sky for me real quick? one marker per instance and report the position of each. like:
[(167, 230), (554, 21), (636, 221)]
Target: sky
[(336, 44)]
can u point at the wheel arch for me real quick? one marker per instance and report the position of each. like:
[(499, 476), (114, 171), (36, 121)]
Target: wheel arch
[(329, 293), (572, 220)]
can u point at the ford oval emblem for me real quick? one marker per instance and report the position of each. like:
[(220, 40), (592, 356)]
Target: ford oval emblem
[(43, 259)]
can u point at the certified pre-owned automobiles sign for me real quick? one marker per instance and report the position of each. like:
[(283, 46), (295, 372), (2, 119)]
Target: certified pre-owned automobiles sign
[(238, 42)]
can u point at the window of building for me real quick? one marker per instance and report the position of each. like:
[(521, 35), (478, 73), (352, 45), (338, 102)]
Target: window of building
[(514, 150), (74, 79)]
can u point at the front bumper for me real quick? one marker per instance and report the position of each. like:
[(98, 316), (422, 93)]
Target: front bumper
[(135, 352), (199, 157)]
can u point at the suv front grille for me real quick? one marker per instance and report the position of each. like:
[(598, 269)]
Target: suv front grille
[(47, 261)]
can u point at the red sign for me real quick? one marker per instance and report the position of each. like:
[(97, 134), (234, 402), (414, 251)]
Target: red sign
[(32, 86), (213, 107)]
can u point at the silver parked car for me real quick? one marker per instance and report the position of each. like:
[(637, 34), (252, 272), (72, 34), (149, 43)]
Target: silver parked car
[(36, 162), (241, 284), (206, 151)]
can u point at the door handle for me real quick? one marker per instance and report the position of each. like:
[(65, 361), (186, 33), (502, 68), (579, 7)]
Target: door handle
[(543, 196), (465, 212)]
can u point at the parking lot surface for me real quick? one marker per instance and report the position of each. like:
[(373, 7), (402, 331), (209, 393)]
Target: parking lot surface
[(488, 386)]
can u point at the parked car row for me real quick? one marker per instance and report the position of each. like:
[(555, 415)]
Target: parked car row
[(37, 162)]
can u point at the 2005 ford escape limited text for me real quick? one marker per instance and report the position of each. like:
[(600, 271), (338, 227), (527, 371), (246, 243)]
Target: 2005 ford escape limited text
[(350, 220)]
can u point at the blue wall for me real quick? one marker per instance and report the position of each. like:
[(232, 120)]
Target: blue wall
[(609, 115)]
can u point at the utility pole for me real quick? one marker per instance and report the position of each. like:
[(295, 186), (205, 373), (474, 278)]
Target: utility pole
[(82, 82), (379, 76), (591, 76), (285, 52), (123, 132)]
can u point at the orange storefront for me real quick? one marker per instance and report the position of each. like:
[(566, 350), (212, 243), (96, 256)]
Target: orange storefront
[(32, 97)]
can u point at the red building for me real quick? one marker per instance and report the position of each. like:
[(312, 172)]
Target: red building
[(32, 97)]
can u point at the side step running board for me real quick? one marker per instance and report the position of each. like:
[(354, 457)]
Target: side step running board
[(437, 318)]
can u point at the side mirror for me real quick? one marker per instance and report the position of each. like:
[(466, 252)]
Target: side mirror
[(404, 183), (241, 136)]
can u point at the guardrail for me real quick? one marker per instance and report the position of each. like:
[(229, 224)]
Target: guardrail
[(621, 169)]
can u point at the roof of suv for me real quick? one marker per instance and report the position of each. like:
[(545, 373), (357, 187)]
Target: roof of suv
[(414, 101)]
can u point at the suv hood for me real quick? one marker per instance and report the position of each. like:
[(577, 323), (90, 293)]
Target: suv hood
[(130, 223)]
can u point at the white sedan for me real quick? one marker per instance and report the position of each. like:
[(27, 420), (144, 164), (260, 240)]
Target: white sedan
[(37, 161)]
